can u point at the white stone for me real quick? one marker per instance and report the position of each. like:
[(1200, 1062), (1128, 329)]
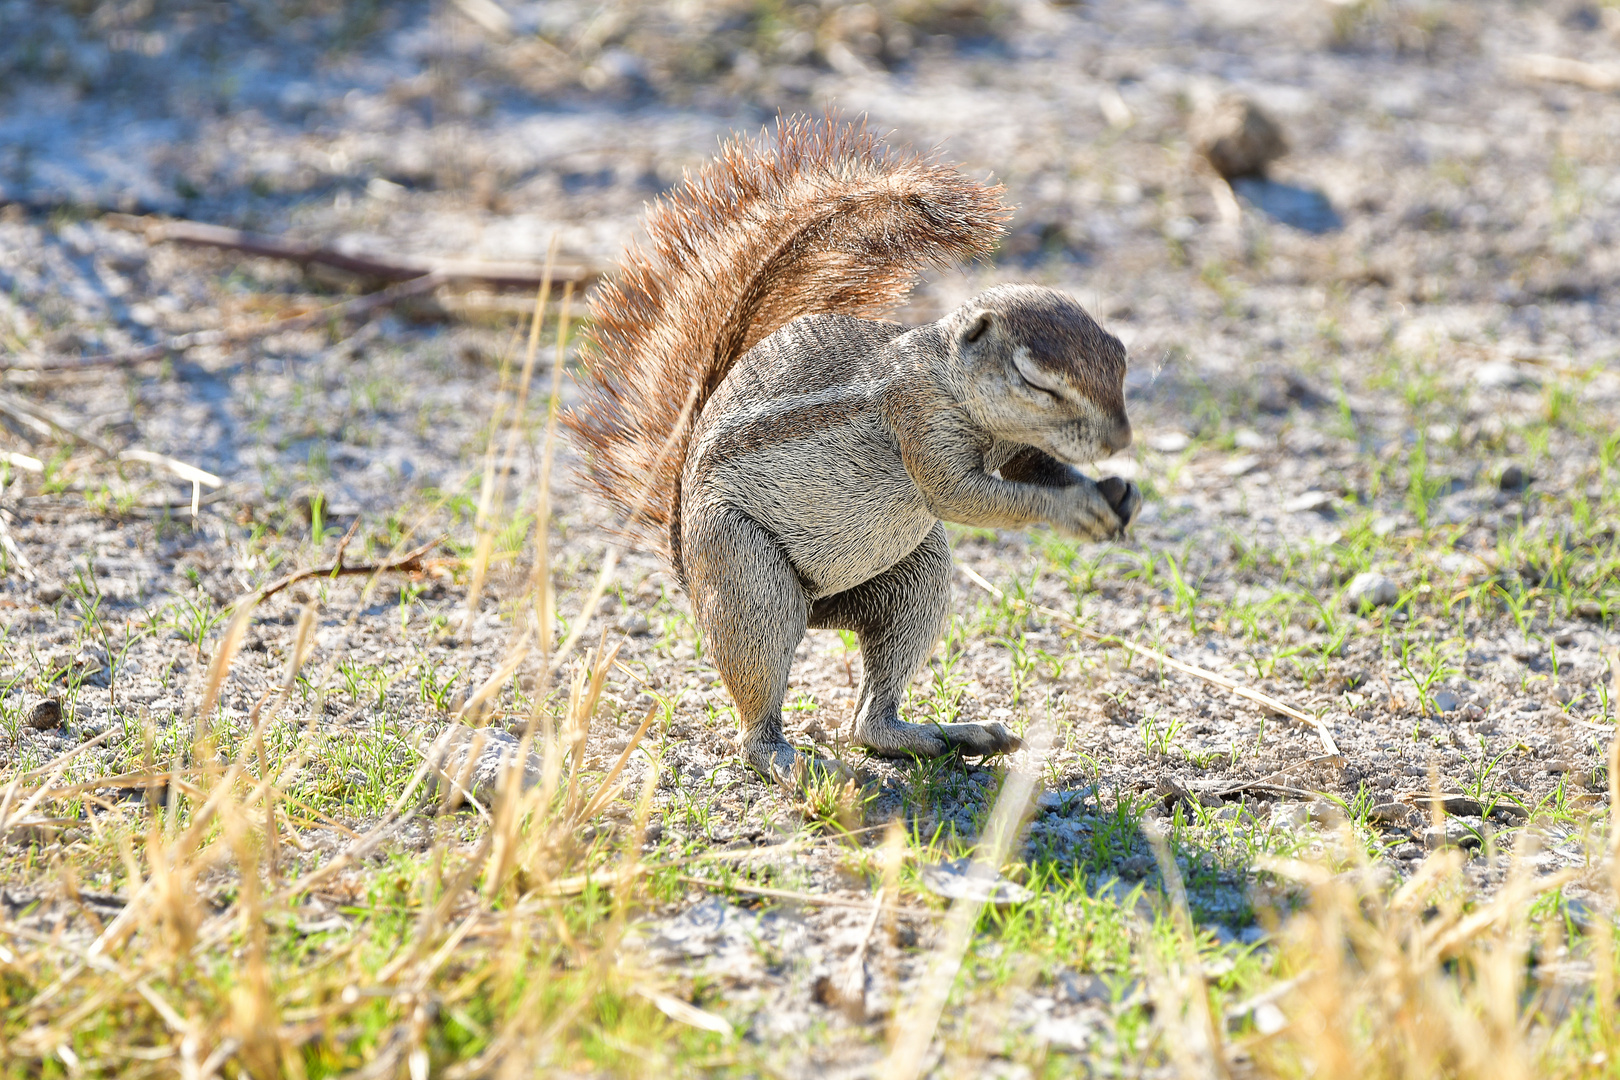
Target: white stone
[(1169, 442), (1308, 502), (1371, 587)]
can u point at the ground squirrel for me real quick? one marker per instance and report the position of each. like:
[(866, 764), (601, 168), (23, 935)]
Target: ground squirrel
[(794, 458)]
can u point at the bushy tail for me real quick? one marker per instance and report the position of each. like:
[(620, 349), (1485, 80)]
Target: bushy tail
[(825, 218)]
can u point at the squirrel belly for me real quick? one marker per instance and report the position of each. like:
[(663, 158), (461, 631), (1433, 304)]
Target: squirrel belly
[(796, 439)]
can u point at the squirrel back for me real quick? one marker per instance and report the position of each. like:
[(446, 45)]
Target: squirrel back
[(825, 218)]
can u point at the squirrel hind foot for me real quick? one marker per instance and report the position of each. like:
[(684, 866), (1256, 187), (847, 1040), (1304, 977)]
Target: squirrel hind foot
[(900, 739), (780, 763)]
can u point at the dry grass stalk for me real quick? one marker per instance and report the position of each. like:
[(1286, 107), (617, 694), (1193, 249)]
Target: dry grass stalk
[(1192, 1037), (913, 1029), (1213, 678)]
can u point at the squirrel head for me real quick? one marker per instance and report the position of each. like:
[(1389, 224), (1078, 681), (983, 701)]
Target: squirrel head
[(1030, 366)]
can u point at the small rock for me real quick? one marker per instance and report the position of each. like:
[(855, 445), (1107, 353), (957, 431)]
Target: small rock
[(1290, 815), (1076, 988), (1327, 813), (1461, 806), (1445, 701), (1501, 375), (1513, 478), (48, 592), (491, 751), (1453, 835), (43, 714), (1268, 1018), (634, 623), (1309, 502), (1371, 588), (1390, 813), (1169, 442), (1250, 439), (1137, 866), (958, 880), (1241, 465), (1238, 138)]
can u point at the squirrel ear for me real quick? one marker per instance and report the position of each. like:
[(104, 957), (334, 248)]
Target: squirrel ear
[(981, 323)]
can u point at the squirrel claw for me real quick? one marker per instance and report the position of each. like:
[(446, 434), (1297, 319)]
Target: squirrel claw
[(980, 740), (1124, 497)]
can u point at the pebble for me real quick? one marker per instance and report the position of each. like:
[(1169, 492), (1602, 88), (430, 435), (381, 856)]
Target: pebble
[(1237, 138), (1137, 866), (634, 623), (1445, 701), (1453, 835), (495, 750), (1169, 442), (43, 713), (1373, 588), (1309, 502), (1390, 813), (1513, 478)]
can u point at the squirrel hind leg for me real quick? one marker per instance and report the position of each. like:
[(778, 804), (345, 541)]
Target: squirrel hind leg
[(898, 616), (750, 607)]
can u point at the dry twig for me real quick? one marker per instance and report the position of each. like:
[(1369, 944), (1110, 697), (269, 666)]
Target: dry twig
[(409, 562), (380, 265), (360, 305), (1211, 677)]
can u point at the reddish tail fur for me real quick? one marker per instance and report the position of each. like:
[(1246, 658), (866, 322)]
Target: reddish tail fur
[(826, 218)]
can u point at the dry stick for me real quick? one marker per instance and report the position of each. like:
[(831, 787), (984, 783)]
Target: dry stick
[(53, 426), (1214, 678), (1201, 1052), (849, 982), (47, 423), (348, 308), (410, 562), (1564, 69), (915, 1028), (606, 792), (387, 267), (13, 550), (544, 602)]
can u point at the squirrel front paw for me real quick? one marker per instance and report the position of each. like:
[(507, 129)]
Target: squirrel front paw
[(1123, 496), (1090, 511)]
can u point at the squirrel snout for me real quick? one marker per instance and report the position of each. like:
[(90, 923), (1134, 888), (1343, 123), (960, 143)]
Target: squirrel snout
[(1118, 437)]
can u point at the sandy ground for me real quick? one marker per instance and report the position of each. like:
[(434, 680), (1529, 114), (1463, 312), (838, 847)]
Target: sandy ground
[(1400, 355)]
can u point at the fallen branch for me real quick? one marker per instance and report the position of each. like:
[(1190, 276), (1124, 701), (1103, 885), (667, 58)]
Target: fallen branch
[(1563, 69), (1211, 677), (14, 552), (409, 562), (360, 305), (47, 424), (383, 266), (21, 461)]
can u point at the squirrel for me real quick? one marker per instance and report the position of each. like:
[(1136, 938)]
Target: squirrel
[(794, 457)]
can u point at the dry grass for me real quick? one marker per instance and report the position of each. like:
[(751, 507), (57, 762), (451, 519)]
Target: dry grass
[(500, 948)]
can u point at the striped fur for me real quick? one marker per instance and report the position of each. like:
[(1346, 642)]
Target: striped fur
[(823, 217)]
